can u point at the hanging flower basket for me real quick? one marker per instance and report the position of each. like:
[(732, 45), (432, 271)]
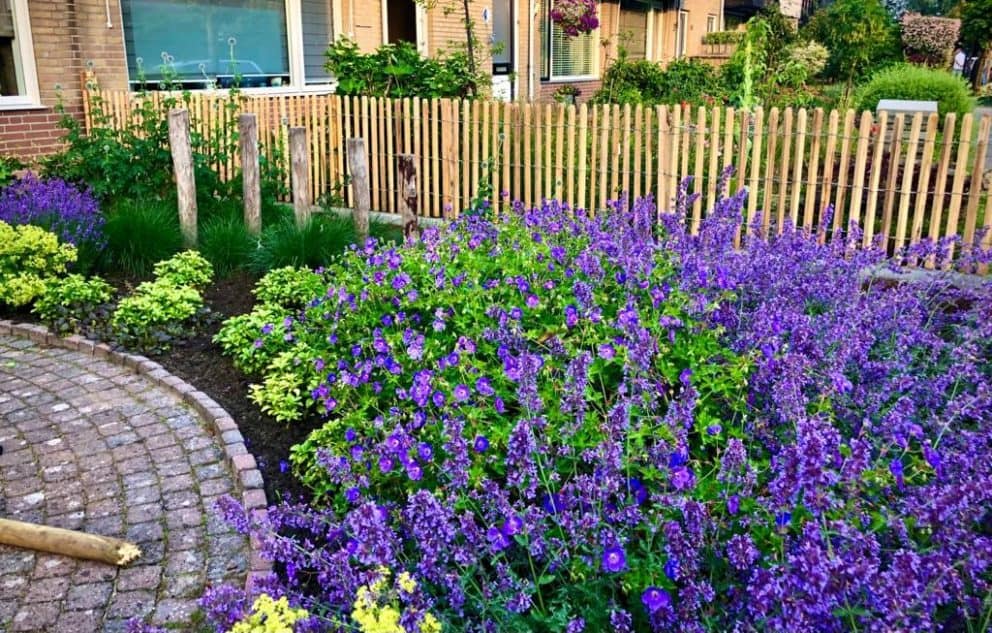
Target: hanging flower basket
[(575, 17)]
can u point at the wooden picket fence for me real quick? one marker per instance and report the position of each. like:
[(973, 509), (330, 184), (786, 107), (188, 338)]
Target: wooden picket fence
[(904, 177)]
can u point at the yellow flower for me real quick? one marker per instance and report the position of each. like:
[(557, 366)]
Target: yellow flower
[(270, 616), (430, 624), (406, 582)]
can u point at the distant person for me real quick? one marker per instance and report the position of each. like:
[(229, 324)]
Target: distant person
[(959, 60)]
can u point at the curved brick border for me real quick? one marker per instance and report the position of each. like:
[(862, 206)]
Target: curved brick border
[(221, 424)]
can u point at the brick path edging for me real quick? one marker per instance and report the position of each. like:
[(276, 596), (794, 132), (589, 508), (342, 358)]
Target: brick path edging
[(247, 475)]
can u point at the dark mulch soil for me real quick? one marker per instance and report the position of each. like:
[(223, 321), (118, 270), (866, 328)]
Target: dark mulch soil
[(199, 362)]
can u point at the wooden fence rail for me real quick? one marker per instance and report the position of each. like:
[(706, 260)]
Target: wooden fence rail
[(906, 178)]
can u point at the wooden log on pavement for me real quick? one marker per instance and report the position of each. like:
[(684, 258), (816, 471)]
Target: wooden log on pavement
[(43, 538)]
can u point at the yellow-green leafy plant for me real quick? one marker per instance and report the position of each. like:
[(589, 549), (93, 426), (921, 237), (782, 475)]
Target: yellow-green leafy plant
[(188, 268), (76, 305), (29, 257), (270, 616)]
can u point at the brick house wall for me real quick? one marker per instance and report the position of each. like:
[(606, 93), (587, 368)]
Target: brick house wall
[(69, 36)]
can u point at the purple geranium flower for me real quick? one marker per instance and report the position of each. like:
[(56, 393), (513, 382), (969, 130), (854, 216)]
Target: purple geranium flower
[(614, 560)]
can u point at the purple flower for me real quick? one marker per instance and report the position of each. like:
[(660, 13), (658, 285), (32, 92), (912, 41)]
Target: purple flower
[(425, 451), (672, 569), (462, 393), (484, 386), (512, 525), (571, 316), (614, 560), (656, 598), (385, 464), (533, 302), (414, 471), (481, 444), (733, 505), (352, 495), (438, 399)]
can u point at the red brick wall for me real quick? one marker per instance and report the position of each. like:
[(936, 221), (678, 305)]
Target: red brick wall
[(70, 36), (587, 89)]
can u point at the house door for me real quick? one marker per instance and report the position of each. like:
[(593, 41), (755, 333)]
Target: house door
[(401, 21)]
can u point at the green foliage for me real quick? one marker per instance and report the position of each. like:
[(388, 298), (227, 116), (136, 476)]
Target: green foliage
[(30, 256), (226, 243), (166, 309), (398, 70), (640, 81), (240, 337), (722, 38), (861, 34), (9, 165), (188, 268), (140, 233), (285, 287), (133, 162), (976, 24), (76, 305), (314, 244), (905, 81)]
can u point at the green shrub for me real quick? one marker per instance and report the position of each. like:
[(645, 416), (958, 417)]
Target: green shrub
[(242, 337), (718, 38), (29, 257), (156, 315), (140, 234), (640, 81), (288, 287), (188, 268), (861, 35), (916, 83), (312, 245), (398, 70), (76, 305), (227, 244)]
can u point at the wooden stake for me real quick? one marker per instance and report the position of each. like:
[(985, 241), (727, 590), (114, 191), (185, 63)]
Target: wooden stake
[(182, 162), (407, 168), (299, 159), (358, 167), (251, 185), (68, 542)]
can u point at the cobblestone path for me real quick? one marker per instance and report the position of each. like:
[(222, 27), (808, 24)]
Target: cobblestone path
[(90, 445)]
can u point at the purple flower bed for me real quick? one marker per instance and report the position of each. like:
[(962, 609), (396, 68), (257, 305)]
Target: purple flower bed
[(556, 423), (56, 205)]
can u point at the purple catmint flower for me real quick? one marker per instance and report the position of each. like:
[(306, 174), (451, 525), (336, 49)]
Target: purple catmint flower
[(621, 621), (614, 560), (733, 505), (73, 214), (672, 569), (655, 598), (896, 468), (575, 625)]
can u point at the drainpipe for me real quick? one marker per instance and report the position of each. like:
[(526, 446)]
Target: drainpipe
[(531, 14)]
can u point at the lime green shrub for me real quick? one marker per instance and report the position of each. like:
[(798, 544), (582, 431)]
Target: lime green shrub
[(29, 257), (75, 305), (905, 81), (188, 268)]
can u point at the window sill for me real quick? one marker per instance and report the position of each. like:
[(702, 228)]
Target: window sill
[(317, 89), (13, 107), (569, 80)]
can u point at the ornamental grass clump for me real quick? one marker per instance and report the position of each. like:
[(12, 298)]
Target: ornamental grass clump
[(554, 423)]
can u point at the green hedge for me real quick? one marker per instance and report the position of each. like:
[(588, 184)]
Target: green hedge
[(916, 83)]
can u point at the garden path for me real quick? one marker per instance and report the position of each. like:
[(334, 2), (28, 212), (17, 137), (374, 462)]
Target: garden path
[(90, 445)]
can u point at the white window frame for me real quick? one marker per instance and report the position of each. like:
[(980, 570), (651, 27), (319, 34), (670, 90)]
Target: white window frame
[(681, 34), (294, 48), (712, 20), (594, 75), (25, 50)]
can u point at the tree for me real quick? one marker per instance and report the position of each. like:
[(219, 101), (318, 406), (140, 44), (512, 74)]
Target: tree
[(861, 35), (976, 33)]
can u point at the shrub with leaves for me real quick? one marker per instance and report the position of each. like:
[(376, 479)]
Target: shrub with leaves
[(929, 39), (560, 423), (76, 305), (30, 256), (861, 35), (906, 81), (641, 81), (398, 70), (165, 310)]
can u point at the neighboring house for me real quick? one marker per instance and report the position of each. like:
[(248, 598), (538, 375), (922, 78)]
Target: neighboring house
[(738, 12), (48, 46)]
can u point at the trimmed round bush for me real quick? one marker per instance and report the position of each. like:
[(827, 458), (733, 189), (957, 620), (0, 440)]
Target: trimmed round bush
[(905, 81)]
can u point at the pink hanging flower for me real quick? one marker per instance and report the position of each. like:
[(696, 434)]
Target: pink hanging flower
[(575, 17)]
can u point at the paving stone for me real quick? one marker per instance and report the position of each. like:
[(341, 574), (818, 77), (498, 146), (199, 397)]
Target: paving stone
[(92, 445)]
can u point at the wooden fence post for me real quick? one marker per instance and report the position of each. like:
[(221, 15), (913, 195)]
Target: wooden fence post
[(358, 167), (300, 162), (252, 188), (407, 167), (182, 162)]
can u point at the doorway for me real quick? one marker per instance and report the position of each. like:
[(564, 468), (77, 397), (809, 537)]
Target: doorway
[(401, 21)]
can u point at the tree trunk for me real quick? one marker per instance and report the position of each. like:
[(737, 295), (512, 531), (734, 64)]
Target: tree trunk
[(983, 63), (67, 542), (470, 46)]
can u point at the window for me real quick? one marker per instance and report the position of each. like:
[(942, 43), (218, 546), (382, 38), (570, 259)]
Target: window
[(634, 32), (712, 24), (18, 80), (680, 33), (566, 58), (502, 38), (222, 43)]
